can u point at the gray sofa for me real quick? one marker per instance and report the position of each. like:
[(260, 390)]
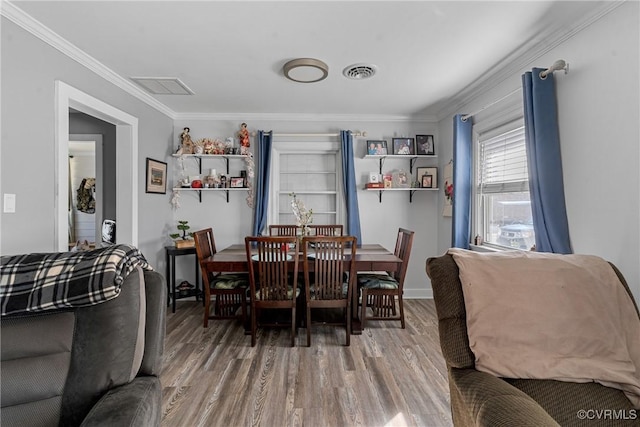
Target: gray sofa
[(96, 365)]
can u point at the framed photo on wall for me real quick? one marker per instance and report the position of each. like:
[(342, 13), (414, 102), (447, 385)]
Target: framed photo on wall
[(156, 181), (377, 147), (425, 145), (433, 171), (427, 181), (403, 146)]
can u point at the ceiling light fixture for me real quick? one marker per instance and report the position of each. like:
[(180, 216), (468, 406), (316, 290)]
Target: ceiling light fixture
[(306, 70)]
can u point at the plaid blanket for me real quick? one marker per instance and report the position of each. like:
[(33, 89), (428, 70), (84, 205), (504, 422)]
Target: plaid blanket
[(45, 281)]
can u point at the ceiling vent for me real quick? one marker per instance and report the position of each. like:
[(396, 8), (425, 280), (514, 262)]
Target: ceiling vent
[(163, 85), (360, 71)]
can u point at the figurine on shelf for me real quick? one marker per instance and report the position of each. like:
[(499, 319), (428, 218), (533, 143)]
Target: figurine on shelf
[(243, 135), (185, 142), (208, 147)]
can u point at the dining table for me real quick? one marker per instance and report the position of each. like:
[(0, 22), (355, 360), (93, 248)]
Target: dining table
[(369, 257)]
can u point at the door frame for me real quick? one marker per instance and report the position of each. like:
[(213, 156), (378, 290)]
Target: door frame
[(126, 162)]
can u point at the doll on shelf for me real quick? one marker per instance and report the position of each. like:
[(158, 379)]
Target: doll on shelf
[(186, 145), (243, 135)]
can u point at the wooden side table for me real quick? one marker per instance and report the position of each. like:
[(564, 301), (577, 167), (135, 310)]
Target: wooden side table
[(171, 253)]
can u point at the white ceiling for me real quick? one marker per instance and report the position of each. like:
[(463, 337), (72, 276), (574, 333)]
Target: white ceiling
[(429, 54)]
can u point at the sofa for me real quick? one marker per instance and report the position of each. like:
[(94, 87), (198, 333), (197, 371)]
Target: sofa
[(90, 365), (479, 398)]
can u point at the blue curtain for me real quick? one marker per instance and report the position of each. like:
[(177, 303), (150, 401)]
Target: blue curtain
[(262, 166), (545, 163), (462, 182), (350, 189)]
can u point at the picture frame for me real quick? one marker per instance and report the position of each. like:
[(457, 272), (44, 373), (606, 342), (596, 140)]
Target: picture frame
[(156, 177), (425, 145), (387, 179), (401, 179), (403, 146), (433, 171), (377, 147), (236, 182), (427, 181), (374, 177)]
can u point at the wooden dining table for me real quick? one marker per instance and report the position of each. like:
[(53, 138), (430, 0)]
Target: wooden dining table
[(369, 257)]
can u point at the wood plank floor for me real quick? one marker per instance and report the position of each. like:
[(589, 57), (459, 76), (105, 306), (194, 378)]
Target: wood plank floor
[(387, 377)]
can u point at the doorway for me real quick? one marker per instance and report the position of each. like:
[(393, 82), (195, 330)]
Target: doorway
[(126, 164)]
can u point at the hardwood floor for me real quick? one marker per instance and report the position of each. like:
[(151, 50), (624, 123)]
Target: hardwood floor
[(387, 377)]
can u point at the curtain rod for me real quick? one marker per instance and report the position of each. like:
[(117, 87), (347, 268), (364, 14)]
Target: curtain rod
[(303, 135), (560, 64)]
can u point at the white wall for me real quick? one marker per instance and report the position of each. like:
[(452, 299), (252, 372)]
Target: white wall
[(30, 68), (598, 111), (379, 221)]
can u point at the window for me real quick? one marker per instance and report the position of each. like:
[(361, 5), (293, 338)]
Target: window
[(313, 171), (502, 204)]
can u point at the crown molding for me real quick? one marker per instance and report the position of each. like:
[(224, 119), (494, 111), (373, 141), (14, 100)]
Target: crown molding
[(39, 30), (299, 117), (517, 61)]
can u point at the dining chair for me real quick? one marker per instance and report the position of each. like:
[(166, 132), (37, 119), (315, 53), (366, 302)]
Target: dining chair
[(379, 290), (273, 284), (325, 285), (283, 230), (327, 230), (229, 290)]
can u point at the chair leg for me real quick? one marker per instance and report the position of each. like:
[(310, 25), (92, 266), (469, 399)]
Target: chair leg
[(293, 327), (401, 311), (253, 326), (348, 315), (308, 325), (363, 312), (206, 311)]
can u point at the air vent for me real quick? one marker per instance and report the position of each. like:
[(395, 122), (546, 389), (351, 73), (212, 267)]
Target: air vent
[(163, 85), (360, 71)]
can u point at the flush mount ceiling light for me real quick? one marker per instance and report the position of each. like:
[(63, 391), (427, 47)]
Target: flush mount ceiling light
[(306, 70), (359, 71)]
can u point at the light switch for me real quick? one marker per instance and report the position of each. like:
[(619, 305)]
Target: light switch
[(9, 203)]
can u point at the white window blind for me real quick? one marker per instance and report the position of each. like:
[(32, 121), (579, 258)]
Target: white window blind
[(503, 163)]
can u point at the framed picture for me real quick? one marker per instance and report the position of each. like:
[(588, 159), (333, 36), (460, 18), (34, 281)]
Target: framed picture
[(376, 147), (425, 145), (156, 177), (427, 181), (403, 146), (401, 179), (374, 177), (388, 180), (433, 171), (237, 182)]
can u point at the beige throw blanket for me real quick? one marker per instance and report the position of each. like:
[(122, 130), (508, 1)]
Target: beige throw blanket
[(550, 316)]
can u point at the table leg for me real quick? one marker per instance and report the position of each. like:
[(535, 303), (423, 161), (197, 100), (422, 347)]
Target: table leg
[(168, 278), (173, 282), (356, 326)]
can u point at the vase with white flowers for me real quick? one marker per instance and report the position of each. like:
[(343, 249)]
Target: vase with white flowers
[(303, 216)]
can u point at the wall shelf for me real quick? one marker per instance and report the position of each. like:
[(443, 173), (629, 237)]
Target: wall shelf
[(412, 159), (411, 190), (199, 157)]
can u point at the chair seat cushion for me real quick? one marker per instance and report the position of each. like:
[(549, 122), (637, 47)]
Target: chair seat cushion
[(376, 281), (289, 293), (230, 281), (345, 290)]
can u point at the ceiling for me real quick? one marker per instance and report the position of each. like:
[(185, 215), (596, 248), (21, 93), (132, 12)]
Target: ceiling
[(429, 54)]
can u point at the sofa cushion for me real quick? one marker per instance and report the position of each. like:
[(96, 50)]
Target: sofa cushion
[(580, 323)]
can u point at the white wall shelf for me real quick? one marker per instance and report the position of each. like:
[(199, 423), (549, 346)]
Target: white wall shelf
[(199, 157)]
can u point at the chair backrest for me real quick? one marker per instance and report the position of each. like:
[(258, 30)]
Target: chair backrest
[(327, 230), (404, 242), (283, 230), (205, 247), (327, 254), (269, 260)]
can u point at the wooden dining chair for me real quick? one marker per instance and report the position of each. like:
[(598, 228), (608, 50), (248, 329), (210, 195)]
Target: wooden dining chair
[(325, 285), (229, 290), (283, 230), (327, 230), (273, 284), (379, 291)]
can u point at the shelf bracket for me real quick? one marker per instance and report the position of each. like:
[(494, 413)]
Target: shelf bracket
[(379, 196), (411, 163), (411, 195), (381, 161)]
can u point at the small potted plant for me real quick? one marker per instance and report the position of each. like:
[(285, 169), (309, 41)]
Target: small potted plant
[(186, 239)]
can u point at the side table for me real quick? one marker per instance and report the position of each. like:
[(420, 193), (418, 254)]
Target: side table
[(171, 253)]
